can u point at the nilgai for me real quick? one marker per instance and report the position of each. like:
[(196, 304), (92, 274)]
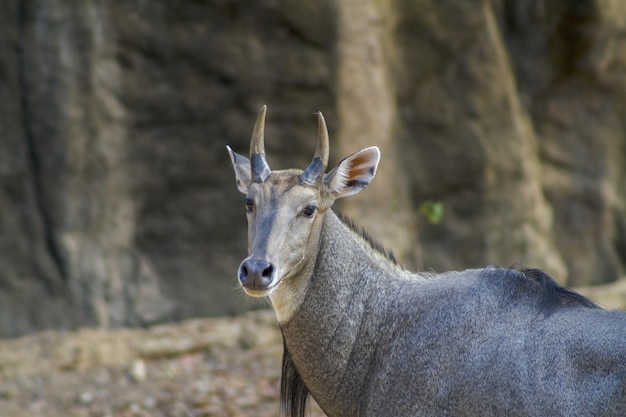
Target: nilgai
[(365, 337)]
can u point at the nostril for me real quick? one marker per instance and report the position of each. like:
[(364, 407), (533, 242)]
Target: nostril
[(267, 272), (243, 273)]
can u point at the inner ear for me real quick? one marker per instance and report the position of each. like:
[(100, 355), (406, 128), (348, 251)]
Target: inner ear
[(353, 173), (241, 165)]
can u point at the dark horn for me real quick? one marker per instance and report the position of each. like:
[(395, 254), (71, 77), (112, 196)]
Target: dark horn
[(317, 167), (258, 164)]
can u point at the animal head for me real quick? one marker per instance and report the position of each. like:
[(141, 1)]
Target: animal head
[(286, 208)]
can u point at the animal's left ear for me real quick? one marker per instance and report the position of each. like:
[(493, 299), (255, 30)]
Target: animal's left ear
[(241, 165), (353, 173)]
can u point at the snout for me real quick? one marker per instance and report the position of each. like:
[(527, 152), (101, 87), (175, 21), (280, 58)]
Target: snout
[(256, 276)]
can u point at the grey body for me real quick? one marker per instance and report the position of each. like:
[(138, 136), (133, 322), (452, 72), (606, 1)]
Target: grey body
[(470, 343), (368, 338)]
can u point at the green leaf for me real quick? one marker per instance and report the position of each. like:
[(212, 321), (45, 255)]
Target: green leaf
[(432, 210)]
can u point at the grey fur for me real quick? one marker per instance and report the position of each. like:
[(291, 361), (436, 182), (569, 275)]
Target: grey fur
[(471, 343), (367, 338)]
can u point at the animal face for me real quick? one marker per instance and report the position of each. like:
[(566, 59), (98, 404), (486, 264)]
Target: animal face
[(285, 209)]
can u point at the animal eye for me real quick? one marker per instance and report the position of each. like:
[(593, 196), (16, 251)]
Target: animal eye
[(308, 211), (249, 204)]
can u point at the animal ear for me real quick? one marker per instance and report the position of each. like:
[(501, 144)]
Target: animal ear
[(241, 165), (353, 173)]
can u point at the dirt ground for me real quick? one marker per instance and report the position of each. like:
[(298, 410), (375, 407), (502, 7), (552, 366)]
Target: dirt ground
[(198, 368)]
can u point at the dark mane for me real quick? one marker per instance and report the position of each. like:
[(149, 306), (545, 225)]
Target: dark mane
[(554, 296), (293, 392), (361, 232)]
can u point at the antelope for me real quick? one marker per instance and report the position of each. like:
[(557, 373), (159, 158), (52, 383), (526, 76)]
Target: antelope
[(366, 337)]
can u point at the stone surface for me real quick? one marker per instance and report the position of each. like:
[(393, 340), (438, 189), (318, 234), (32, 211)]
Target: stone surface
[(569, 60), (117, 200), (468, 141)]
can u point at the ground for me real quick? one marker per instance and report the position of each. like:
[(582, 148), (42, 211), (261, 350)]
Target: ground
[(198, 368)]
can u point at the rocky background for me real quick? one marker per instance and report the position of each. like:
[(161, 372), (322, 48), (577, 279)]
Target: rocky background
[(118, 205)]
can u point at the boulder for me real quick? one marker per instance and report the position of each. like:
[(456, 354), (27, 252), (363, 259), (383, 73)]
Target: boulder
[(117, 200)]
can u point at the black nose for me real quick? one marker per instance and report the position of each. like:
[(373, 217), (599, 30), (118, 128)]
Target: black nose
[(256, 274)]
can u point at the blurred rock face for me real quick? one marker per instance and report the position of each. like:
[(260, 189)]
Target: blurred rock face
[(117, 199)]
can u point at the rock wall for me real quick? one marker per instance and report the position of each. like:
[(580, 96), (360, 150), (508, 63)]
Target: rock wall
[(117, 201)]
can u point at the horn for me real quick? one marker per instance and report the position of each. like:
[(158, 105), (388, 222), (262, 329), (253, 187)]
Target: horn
[(317, 167), (258, 164), (321, 151)]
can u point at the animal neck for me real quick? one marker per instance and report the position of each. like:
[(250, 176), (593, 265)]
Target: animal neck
[(341, 248), (337, 308)]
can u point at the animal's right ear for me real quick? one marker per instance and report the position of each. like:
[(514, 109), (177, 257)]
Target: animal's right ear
[(241, 165), (353, 174)]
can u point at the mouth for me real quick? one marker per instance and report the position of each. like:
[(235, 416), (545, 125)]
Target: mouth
[(260, 292)]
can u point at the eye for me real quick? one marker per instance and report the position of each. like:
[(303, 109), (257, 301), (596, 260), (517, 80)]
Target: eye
[(249, 204), (308, 211)]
